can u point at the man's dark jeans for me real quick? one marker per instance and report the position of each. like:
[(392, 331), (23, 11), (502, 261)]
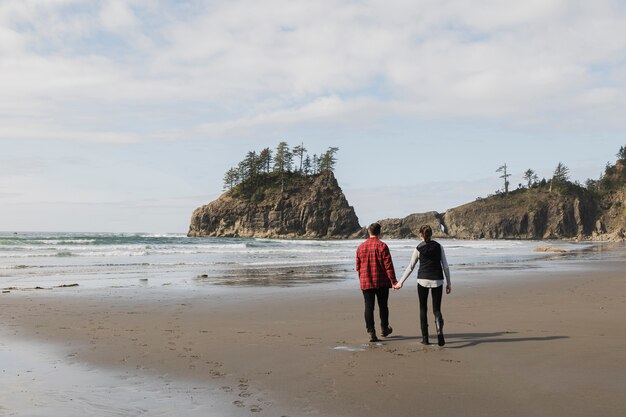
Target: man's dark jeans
[(370, 296)]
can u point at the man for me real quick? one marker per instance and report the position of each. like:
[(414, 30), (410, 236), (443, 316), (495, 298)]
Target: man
[(376, 275)]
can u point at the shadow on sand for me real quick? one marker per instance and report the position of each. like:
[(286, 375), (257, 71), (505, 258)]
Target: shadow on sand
[(463, 340)]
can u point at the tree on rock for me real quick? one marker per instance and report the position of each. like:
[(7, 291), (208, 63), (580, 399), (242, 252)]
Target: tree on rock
[(560, 176), (506, 176), (282, 162), (265, 160), (299, 152), (530, 177), (231, 178), (328, 160)]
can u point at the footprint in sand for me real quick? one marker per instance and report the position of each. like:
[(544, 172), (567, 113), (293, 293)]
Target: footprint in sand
[(239, 403)]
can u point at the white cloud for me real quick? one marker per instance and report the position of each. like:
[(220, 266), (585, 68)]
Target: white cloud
[(117, 15), (273, 62)]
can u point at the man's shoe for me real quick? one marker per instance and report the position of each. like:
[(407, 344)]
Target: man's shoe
[(386, 332), (425, 340), (373, 337), (440, 340)]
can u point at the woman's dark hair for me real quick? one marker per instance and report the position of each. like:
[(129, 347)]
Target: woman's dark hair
[(374, 229), (427, 232)]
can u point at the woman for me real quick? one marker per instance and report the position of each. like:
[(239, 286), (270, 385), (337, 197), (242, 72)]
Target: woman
[(430, 274)]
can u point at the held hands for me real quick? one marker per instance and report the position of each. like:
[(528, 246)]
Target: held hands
[(397, 286)]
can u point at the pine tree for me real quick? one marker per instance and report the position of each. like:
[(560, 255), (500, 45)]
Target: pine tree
[(299, 152), (265, 160), (282, 162), (307, 166), (506, 176), (560, 176), (316, 164), (230, 179), (530, 177), (328, 160)]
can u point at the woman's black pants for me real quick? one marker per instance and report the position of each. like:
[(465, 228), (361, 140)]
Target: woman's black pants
[(422, 293)]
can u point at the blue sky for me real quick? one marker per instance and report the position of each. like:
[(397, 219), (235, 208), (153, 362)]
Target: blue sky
[(123, 115)]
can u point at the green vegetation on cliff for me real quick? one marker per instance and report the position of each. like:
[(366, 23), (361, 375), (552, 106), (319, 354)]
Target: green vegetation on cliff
[(281, 168)]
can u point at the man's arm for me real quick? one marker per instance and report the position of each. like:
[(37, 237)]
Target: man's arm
[(388, 264)]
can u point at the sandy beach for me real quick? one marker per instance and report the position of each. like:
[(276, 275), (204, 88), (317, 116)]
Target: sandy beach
[(542, 344)]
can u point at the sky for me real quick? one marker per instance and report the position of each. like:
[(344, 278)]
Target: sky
[(124, 115)]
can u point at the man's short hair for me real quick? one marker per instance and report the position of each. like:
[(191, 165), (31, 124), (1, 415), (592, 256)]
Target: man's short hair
[(374, 229)]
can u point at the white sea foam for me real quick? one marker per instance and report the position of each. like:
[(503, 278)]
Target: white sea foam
[(117, 257)]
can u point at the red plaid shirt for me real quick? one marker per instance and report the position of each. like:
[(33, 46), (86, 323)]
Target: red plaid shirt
[(374, 265)]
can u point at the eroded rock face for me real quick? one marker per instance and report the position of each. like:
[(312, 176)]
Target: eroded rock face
[(540, 215), (316, 208), (545, 216), (408, 227)]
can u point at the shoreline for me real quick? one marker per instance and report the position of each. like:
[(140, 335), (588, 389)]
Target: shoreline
[(544, 343)]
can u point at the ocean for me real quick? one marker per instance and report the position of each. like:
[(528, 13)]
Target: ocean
[(120, 260)]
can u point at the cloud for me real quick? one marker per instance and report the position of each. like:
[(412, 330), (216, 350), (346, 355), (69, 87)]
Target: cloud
[(117, 15), (73, 69)]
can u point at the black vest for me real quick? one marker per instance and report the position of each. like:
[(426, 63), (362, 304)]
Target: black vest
[(430, 261)]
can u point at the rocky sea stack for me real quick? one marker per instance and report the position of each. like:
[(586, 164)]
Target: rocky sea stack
[(293, 206)]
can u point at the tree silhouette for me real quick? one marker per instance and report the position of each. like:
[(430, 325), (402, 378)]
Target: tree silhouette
[(530, 177), (506, 176), (299, 152), (231, 178), (316, 164), (307, 166), (560, 176), (328, 160), (282, 162), (265, 160)]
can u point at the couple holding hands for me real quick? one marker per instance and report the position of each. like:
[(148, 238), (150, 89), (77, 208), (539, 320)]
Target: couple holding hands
[(377, 275)]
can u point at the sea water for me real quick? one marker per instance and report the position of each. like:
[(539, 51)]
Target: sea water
[(111, 260)]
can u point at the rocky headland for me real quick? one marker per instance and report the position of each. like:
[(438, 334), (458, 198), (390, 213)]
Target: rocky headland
[(542, 212), (296, 207)]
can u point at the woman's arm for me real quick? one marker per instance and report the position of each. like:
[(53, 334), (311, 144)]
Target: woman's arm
[(446, 270), (410, 267)]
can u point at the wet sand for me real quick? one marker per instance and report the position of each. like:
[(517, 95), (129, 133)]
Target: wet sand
[(542, 344)]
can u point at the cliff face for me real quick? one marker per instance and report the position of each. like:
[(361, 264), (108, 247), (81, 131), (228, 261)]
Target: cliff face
[(313, 207), (534, 214), (611, 221), (542, 216), (408, 227)]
